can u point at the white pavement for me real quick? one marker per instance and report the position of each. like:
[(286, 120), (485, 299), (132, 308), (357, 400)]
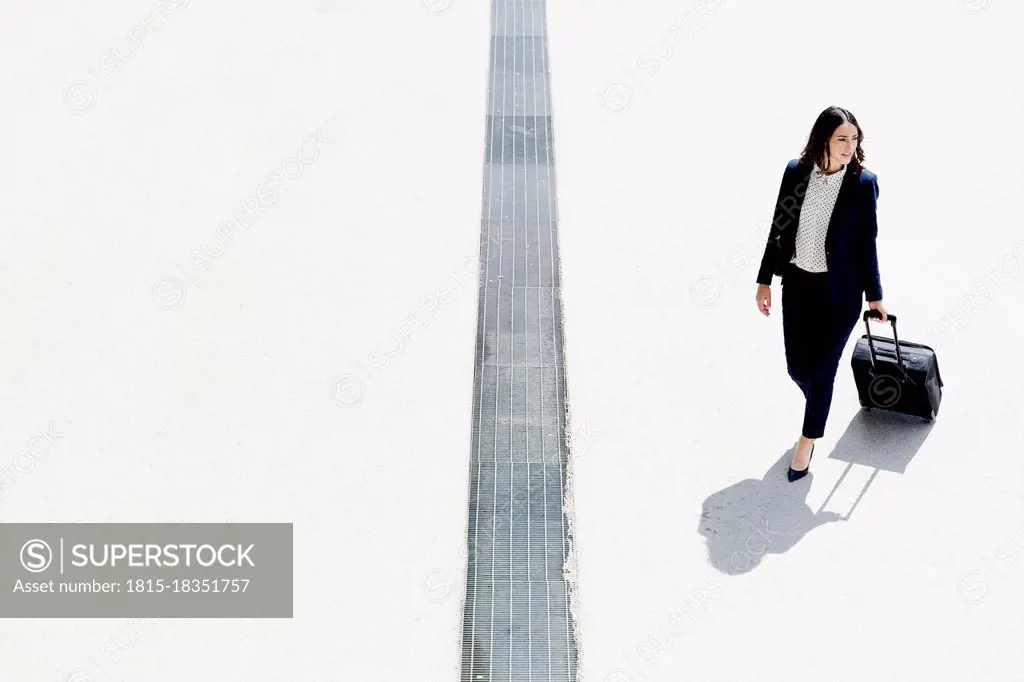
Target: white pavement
[(666, 186), (265, 384), (224, 399)]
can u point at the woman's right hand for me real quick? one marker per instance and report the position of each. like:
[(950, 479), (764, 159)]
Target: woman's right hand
[(764, 299)]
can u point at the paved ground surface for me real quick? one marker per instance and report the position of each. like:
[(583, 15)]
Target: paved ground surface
[(270, 385), (236, 392), (666, 188)]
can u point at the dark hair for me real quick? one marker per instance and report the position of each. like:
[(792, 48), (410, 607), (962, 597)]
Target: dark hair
[(817, 149)]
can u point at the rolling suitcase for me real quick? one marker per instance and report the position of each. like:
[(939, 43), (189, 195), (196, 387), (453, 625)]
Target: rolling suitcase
[(895, 375)]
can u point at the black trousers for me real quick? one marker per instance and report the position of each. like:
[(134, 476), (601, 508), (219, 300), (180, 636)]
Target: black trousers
[(816, 329)]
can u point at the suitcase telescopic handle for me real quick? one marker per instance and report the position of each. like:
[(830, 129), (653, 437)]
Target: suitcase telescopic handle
[(868, 314)]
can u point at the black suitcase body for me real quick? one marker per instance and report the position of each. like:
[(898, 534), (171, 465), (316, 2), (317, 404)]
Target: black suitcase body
[(898, 376)]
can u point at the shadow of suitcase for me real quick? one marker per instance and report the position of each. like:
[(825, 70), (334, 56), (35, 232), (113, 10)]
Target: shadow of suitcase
[(898, 376)]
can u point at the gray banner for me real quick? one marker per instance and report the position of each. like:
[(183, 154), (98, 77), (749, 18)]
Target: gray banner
[(151, 570)]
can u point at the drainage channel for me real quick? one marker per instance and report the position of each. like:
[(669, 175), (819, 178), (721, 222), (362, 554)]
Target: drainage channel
[(517, 624)]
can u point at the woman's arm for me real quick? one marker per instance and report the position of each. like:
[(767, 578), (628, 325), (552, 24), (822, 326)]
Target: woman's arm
[(869, 256), (771, 253)]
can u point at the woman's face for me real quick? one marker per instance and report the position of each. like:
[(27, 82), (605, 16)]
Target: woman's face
[(843, 144)]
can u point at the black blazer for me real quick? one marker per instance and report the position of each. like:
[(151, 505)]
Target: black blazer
[(850, 250)]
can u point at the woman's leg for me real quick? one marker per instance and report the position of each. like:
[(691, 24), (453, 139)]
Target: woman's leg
[(819, 390), (819, 402), (799, 304), (807, 331)]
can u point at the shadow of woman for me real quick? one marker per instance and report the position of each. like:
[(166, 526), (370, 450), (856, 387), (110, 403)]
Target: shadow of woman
[(752, 518)]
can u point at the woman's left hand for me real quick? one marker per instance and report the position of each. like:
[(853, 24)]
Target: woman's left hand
[(880, 307)]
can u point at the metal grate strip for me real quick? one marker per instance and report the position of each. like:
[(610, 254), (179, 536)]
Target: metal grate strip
[(517, 624)]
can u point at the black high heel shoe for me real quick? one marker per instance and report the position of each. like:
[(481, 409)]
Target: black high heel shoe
[(794, 475)]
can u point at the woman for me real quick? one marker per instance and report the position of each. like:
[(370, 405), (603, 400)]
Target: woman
[(822, 243)]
